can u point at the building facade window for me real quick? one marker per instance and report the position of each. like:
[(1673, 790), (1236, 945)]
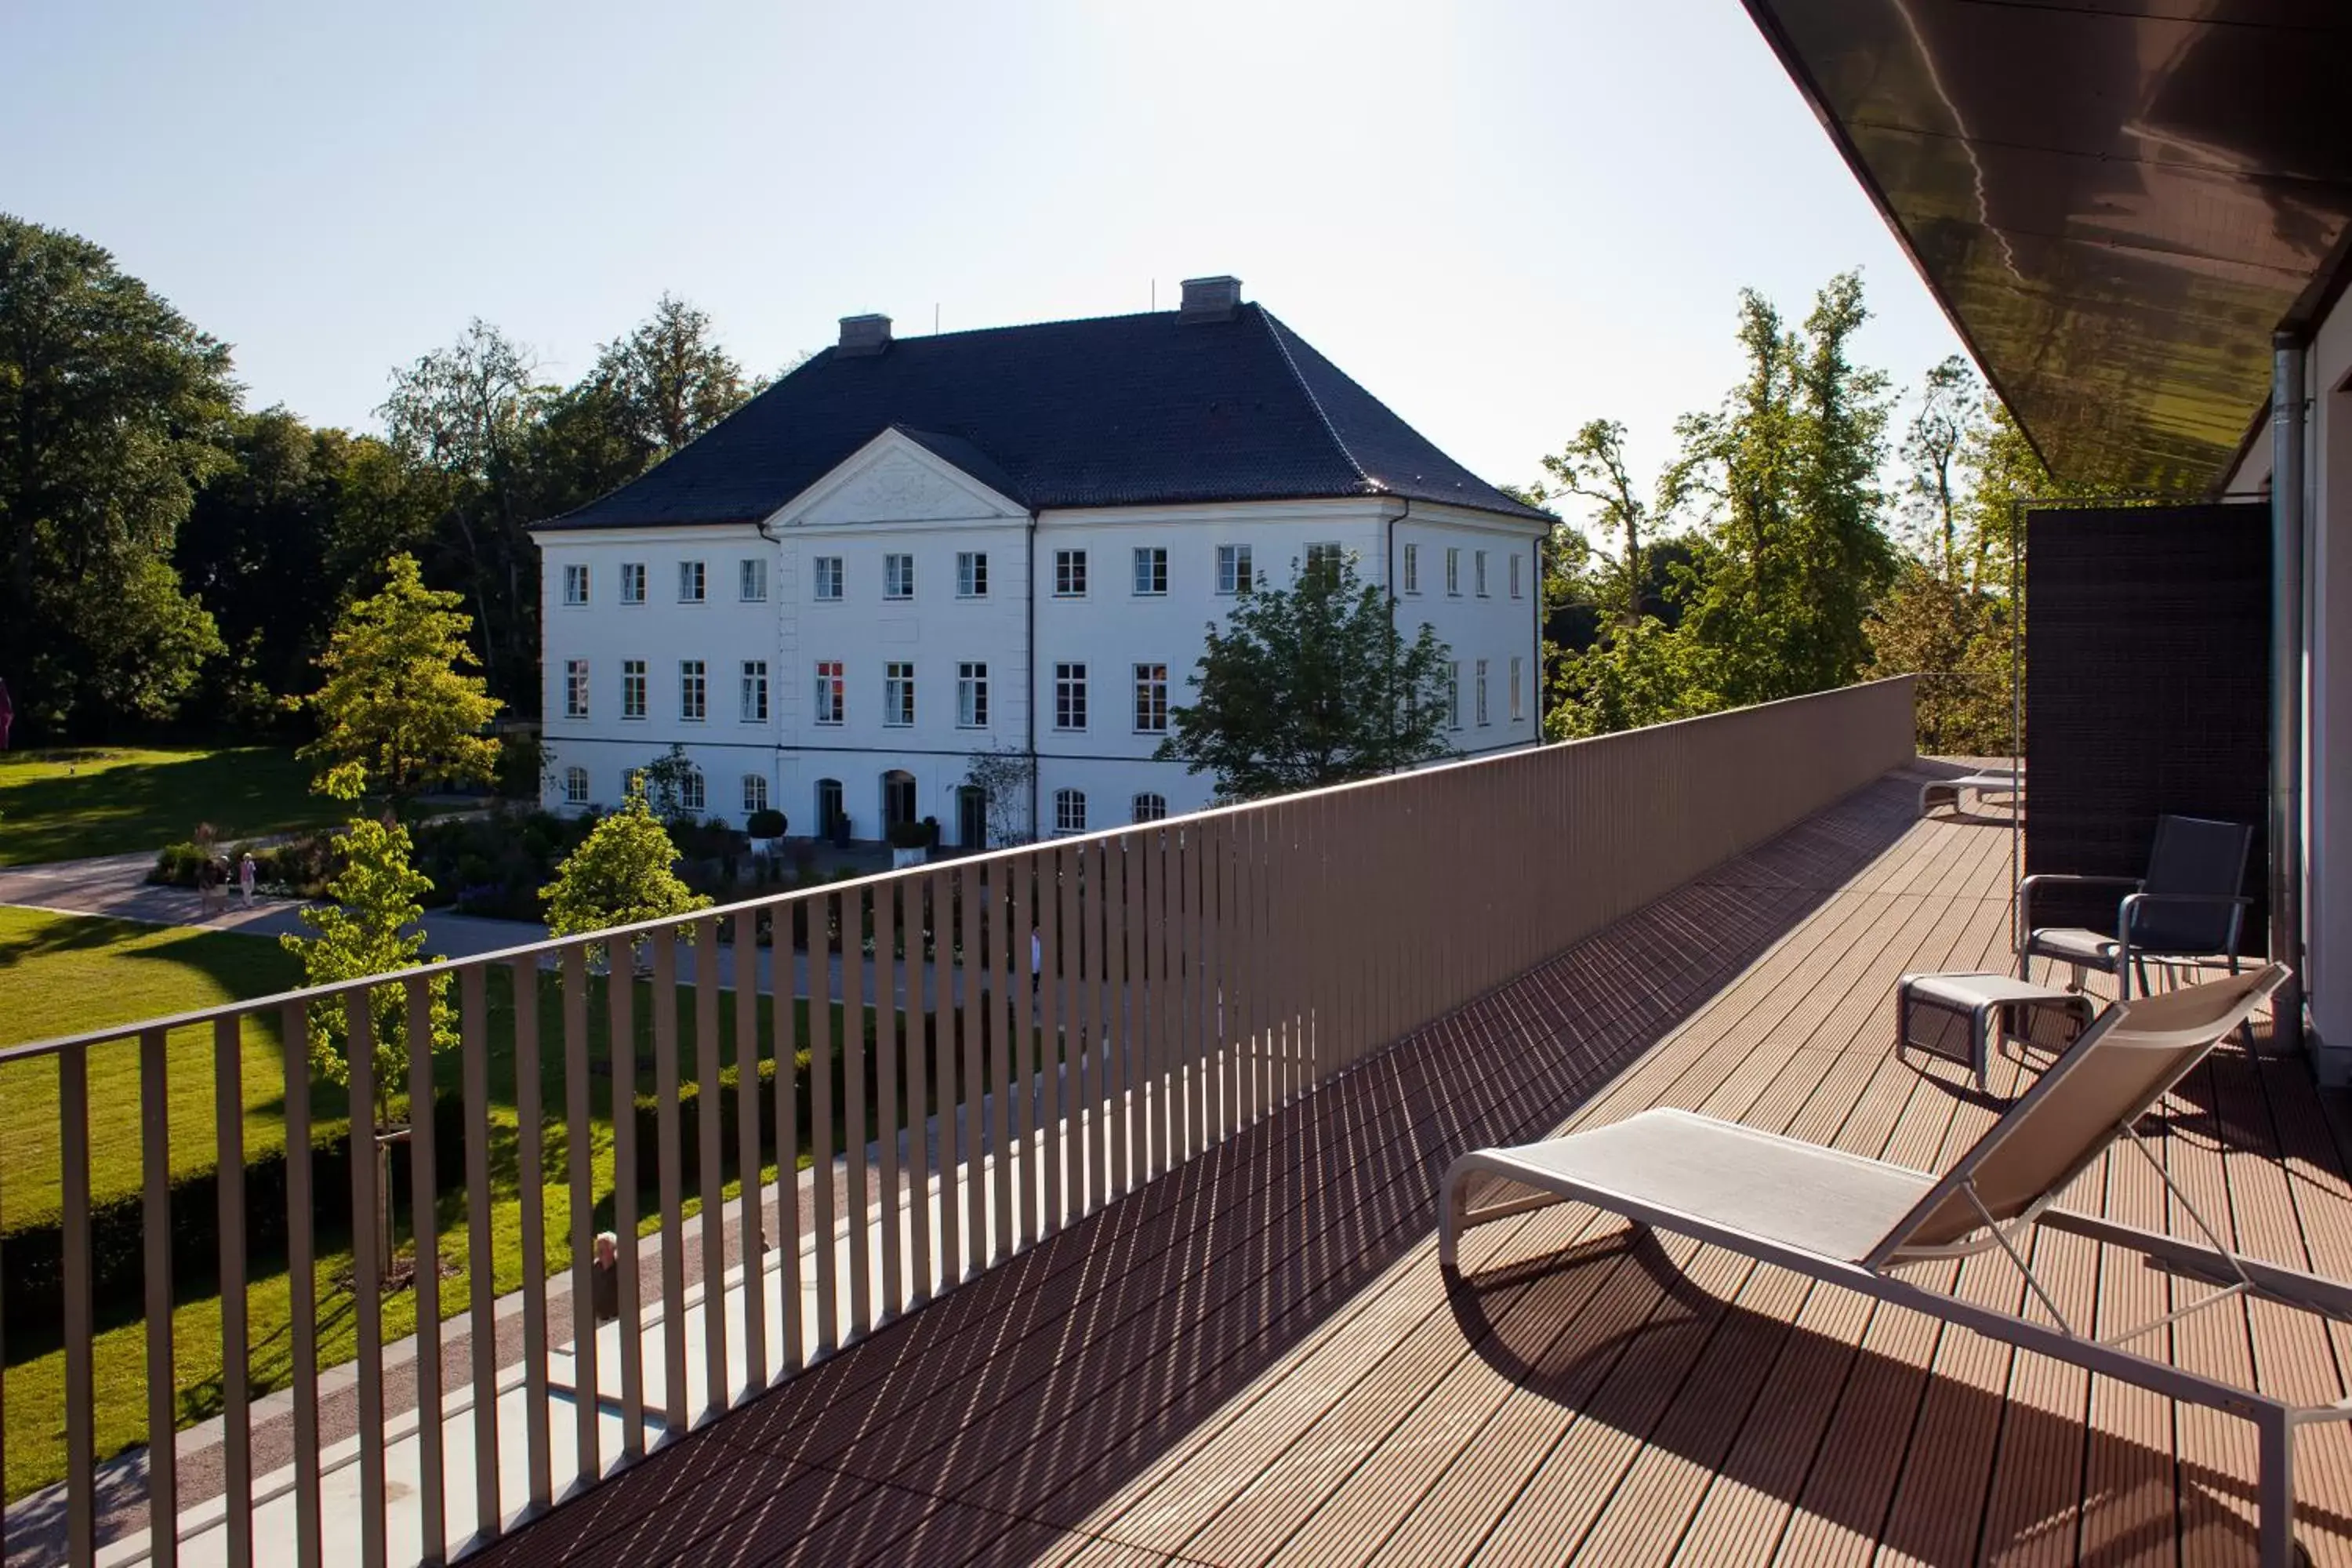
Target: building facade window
[(693, 690), (575, 585), (1325, 557), (633, 688), (752, 579), (1518, 707), (633, 581), (832, 691), (972, 575), (755, 691), (1453, 571), (691, 795), (1515, 576), (1478, 572), (1454, 696), (1150, 698), (575, 786), (828, 576), (972, 696), (1150, 570), (1413, 568), (1069, 574), (828, 805), (897, 576), (1069, 696), (692, 583), (1482, 691), (1151, 807), (575, 689), (633, 782), (1233, 573), (1069, 811), (897, 695), (755, 793)]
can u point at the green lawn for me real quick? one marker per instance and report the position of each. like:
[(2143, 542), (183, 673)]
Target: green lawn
[(65, 973), (67, 804)]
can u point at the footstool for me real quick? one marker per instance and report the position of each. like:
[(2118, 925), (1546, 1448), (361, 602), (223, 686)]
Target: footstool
[(1954, 1017)]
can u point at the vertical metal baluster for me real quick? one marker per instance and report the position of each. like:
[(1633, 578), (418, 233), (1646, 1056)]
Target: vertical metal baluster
[(1147, 875), (155, 1221), (788, 1134), (711, 1158), (368, 1307), (1021, 1019), (1091, 1027), (922, 988), (425, 1278), (580, 1144), (1046, 876), (1001, 1053), (73, 1177), (301, 1281), (855, 1110), (1125, 992), (853, 1107), (886, 1073), (1170, 1083), (670, 1156), (481, 1287), (530, 1175), (1204, 1052), (621, 1058), (751, 1198), (1070, 955), (973, 1086), (821, 1218), (228, 1164), (1258, 983)]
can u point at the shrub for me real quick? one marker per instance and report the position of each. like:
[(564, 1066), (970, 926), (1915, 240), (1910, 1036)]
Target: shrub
[(767, 824), (176, 867), (908, 836)]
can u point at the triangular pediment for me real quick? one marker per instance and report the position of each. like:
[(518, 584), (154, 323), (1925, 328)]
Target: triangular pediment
[(895, 477)]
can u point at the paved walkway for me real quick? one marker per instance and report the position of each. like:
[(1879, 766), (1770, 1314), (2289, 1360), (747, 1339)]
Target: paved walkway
[(115, 885)]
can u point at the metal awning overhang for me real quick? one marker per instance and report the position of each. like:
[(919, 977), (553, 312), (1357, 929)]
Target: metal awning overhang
[(2117, 201)]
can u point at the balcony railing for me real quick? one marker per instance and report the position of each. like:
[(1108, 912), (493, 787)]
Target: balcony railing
[(961, 1100)]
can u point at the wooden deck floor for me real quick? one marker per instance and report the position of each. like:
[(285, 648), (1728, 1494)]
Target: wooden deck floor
[(1257, 1360)]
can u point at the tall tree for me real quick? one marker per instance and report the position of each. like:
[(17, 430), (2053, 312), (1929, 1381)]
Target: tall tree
[(111, 410), (1947, 417), (669, 378), (465, 413), (1591, 468), (1794, 553), (398, 712), (1312, 685)]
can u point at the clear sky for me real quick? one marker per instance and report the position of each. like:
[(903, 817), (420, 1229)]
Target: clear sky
[(1503, 219)]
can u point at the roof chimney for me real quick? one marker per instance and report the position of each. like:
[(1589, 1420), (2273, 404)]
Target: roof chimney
[(1210, 299), (865, 334)]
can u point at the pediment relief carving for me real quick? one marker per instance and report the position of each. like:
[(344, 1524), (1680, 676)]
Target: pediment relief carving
[(896, 486)]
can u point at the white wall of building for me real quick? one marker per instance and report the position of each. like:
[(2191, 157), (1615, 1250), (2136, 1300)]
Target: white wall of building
[(896, 498), (2328, 734)]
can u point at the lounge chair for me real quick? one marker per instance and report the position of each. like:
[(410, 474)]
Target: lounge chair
[(1848, 1220), (1947, 791), (2190, 907)]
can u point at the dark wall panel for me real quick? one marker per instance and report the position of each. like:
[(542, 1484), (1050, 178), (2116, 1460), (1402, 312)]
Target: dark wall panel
[(2146, 682)]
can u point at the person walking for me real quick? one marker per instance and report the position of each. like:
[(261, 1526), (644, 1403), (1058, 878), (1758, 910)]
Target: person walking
[(247, 873), (208, 882)]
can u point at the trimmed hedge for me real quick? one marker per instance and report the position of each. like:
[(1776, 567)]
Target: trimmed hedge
[(32, 1255)]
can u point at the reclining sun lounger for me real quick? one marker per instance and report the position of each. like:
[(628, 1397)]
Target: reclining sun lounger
[(1849, 1220), (1947, 791)]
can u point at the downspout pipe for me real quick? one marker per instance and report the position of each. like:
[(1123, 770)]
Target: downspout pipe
[(1037, 823), (2288, 353)]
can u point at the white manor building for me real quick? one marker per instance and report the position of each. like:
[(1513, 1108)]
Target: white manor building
[(909, 552)]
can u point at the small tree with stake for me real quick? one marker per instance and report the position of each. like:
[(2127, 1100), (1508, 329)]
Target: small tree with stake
[(621, 875), (1312, 685)]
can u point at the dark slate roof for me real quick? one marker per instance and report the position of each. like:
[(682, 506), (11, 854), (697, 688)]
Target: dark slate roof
[(1117, 411)]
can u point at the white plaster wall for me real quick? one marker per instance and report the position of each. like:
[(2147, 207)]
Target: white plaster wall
[(722, 631)]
